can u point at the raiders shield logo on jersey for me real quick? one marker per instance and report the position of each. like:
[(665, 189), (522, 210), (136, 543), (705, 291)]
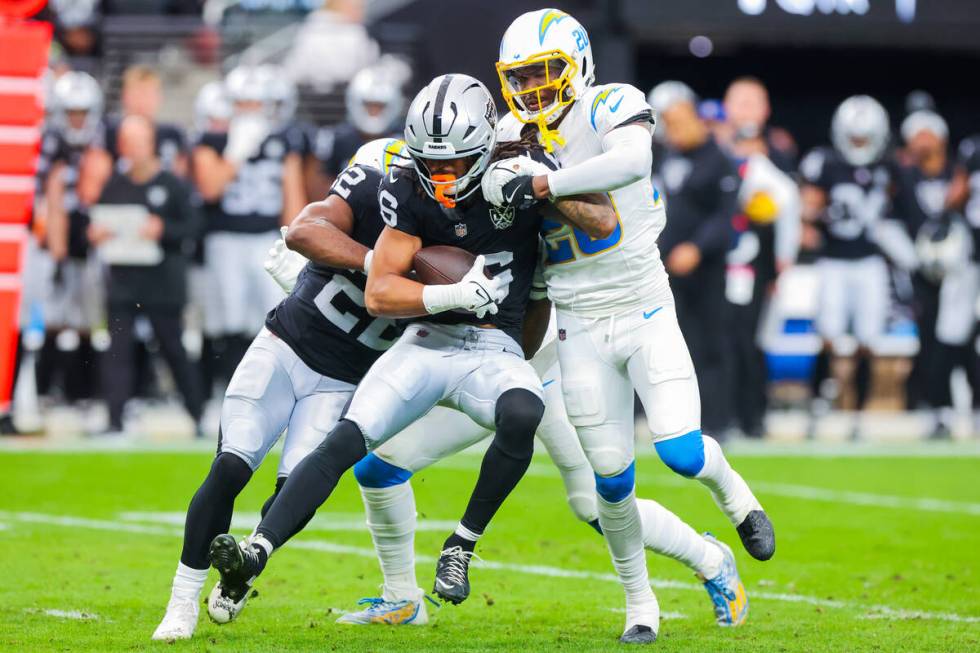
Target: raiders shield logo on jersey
[(460, 229), (501, 216), (156, 195)]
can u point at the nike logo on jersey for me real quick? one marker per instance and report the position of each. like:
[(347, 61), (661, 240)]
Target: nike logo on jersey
[(547, 383), (647, 316), (613, 108)]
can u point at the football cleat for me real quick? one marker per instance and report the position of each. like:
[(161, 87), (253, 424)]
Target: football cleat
[(390, 613), (639, 634), (238, 566), (452, 581), (726, 590), (179, 622), (757, 535)]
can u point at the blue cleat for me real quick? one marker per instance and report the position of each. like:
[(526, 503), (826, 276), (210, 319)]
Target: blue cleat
[(726, 590), (389, 613)]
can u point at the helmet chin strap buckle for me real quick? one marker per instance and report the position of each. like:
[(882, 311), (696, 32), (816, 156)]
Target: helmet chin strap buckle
[(443, 183)]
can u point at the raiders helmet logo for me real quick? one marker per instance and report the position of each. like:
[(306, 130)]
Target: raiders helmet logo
[(156, 195), (491, 114)]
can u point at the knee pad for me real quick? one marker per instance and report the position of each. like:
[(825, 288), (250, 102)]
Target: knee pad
[(616, 488), (684, 454), (517, 415), (371, 471), (584, 506)]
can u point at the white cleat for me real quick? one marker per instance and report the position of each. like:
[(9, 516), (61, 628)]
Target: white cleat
[(406, 612), (642, 623), (224, 609), (179, 622)]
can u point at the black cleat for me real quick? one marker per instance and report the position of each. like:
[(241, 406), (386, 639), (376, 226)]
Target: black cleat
[(757, 535), (638, 635), (238, 567), (452, 580)]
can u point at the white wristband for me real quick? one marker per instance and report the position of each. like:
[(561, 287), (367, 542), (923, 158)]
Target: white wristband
[(438, 299), (367, 261)]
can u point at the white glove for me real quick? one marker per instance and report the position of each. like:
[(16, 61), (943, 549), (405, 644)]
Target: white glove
[(502, 172), (245, 134), (474, 293), (283, 264)]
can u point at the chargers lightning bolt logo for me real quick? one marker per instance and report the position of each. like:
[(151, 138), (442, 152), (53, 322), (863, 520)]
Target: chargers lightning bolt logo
[(549, 18), (602, 98)]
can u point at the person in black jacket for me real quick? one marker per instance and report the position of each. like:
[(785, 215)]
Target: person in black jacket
[(701, 186), (157, 291)]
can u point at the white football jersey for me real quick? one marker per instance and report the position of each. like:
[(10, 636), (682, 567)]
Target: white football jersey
[(597, 277)]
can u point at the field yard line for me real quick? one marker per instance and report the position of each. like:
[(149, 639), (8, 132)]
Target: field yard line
[(806, 492), (862, 610), (321, 523)]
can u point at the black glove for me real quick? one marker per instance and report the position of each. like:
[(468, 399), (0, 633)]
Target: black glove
[(519, 192)]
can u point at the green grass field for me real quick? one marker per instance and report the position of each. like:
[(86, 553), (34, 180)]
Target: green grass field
[(874, 554)]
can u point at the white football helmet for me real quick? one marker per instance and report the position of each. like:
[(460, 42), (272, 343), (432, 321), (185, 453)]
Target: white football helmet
[(282, 93), (374, 86), (451, 118), (924, 120), (382, 153), (210, 106), (77, 91), (251, 84), (552, 43), (860, 130)]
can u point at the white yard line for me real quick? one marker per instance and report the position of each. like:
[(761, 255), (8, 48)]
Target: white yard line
[(65, 614), (245, 521), (860, 610)]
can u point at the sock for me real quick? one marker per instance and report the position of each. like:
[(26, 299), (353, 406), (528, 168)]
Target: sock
[(622, 529), (209, 513), (862, 380), (391, 518), (312, 482), (728, 489), (188, 582), (462, 537), (665, 533)]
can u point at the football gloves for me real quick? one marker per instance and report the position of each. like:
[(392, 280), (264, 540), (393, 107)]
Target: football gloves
[(508, 182)]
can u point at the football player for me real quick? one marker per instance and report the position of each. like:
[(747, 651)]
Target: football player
[(251, 177), (299, 372), (73, 166), (617, 326), (845, 194), (461, 349), (374, 103)]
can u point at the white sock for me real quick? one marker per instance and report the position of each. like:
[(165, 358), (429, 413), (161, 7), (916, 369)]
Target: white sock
[(466, 533), (188, 582), (728, 489), (665, 533), (622, 529), (391, 518)]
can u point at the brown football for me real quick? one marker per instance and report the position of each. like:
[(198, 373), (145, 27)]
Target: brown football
[(442, 264)]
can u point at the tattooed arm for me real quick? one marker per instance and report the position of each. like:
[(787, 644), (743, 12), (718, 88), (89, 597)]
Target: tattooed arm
[(593, 213)]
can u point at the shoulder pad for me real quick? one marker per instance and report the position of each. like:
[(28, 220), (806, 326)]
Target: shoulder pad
[(611, 105)]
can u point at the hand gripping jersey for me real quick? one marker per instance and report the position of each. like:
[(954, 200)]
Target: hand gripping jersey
[(857, 198), (324, 320), (622, 271), (506, 237)]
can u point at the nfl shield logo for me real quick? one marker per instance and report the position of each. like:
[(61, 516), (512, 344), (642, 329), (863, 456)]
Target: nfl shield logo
[(561, 334), (460, 229)]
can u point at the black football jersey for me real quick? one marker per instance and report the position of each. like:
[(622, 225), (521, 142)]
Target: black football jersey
[(969, 160), (252, 202), (507, 238), (56, 149), (324, 319), (335, 146), (918, 197), (857, 198)]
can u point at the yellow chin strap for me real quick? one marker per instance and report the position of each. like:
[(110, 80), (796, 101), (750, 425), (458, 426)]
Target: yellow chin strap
[(561, 85)]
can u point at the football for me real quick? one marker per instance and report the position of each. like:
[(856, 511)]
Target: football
[(443, 264)]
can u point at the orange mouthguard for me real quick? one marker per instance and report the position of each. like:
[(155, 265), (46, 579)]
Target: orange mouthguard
[(442, 183)]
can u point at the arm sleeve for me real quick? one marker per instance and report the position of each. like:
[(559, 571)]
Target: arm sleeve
[(626, 158), (714, 235)]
